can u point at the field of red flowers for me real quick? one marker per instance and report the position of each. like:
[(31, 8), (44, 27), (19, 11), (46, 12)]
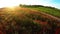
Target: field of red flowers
[(27, 21)]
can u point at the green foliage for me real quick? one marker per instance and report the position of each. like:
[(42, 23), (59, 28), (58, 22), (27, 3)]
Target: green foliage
[(25, 26), (47, 9)]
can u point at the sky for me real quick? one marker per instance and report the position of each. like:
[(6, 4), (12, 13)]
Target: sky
[(53, 3)]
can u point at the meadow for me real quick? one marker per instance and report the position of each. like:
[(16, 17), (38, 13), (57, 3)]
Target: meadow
[(29, 20), (47, 9)]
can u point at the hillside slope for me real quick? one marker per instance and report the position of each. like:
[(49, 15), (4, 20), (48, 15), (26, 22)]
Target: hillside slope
[(20, 20), (47, 9)]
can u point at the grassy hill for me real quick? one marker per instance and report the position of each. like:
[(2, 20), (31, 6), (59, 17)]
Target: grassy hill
[(47, 9), (24, 20)]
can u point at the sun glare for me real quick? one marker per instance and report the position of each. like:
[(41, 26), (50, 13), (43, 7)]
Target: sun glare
[(8, 3)]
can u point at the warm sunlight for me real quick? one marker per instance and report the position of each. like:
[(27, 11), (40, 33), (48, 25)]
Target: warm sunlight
[(8, 3)]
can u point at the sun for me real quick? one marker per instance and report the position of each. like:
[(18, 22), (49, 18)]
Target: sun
[(8, 3)]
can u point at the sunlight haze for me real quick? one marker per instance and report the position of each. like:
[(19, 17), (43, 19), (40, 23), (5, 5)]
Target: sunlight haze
[(8, 3)]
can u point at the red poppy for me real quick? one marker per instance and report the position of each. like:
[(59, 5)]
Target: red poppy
[(1, 32), (57, 31)]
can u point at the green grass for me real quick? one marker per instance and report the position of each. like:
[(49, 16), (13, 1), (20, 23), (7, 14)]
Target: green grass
[(50, 10)]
